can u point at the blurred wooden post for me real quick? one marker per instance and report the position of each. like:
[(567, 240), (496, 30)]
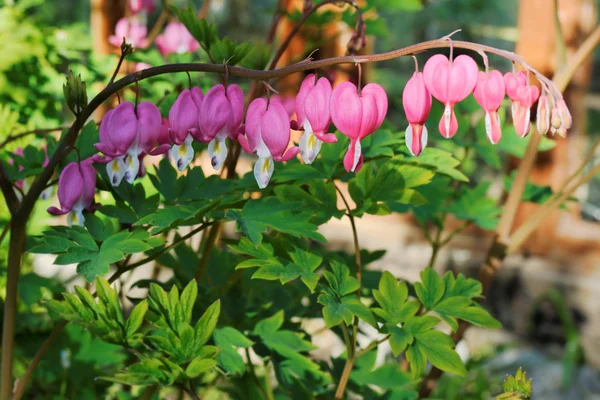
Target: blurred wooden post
[(564, 232), (334, 35), (103, 18)]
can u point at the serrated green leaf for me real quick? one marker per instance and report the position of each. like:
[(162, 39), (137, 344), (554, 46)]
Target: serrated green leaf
[(198, 366), (206, 324), (136, 318), (431, 288), (399, 339), (439, 350)]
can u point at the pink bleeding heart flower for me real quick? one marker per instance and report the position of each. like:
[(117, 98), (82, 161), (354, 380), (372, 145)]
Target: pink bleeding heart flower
[(138, 6), (76, 188), (527, 95), (512, 84), (489, 93), (183, 121), (286, 101), (312, 111), (132, 30), (357, 115), (268, 135), (450, 82), (126, 132), (221, 115), (176, 39), (416, 101)]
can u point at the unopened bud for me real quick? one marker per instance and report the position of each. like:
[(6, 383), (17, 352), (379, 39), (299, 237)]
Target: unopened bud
[(126, 48), (565, 115), (555, 120), (75, 93), (543, 115)]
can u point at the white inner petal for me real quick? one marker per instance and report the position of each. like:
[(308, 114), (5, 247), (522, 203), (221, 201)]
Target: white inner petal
[(217, 150), (182, 155), (263, 170), (357, 154), (447, 119), (309, 145), (132, 167), (116, 170)]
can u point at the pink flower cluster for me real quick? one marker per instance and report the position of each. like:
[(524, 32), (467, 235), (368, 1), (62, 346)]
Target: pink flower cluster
[(130, 132), (451, 81), (174, 39)]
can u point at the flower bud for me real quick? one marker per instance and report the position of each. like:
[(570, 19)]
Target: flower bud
[(565, 115), (75, 94), (543, 115)]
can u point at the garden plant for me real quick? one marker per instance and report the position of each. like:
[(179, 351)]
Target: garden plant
[(231, 318)]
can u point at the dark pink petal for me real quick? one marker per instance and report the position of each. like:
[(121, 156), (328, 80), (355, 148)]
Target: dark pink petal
[(70, 187), (164, 138), (374, 108), (316, 106), (435, 74), (490, 90), (289, 154), (88, 174), (254, 115), (416, 99), (275, 129), (215, 112), (150, 124), (161, 149), (236, 100), (452, 128), (326, 137), (122, 127), (462, 78), (307, 84), (183, 115), (346, 109)]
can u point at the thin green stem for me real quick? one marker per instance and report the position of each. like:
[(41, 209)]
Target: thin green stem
[(370, 347)]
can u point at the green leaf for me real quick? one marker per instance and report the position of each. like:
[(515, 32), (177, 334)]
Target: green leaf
[(336, 311), (136, 318), (268, 212), (416, 359), (308, 263), (286, 343), (83, 238), (101, 229), (464, 308), (431, 288), (229, 359), (399, 339), (206, 324), (198, 366), (132, 246), (461, 286), (439, 350), (473, 205), (392, 296), (340, 280), (188, 299), (417, 324)]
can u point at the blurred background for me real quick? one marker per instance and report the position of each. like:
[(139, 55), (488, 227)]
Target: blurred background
[(546, 296)]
